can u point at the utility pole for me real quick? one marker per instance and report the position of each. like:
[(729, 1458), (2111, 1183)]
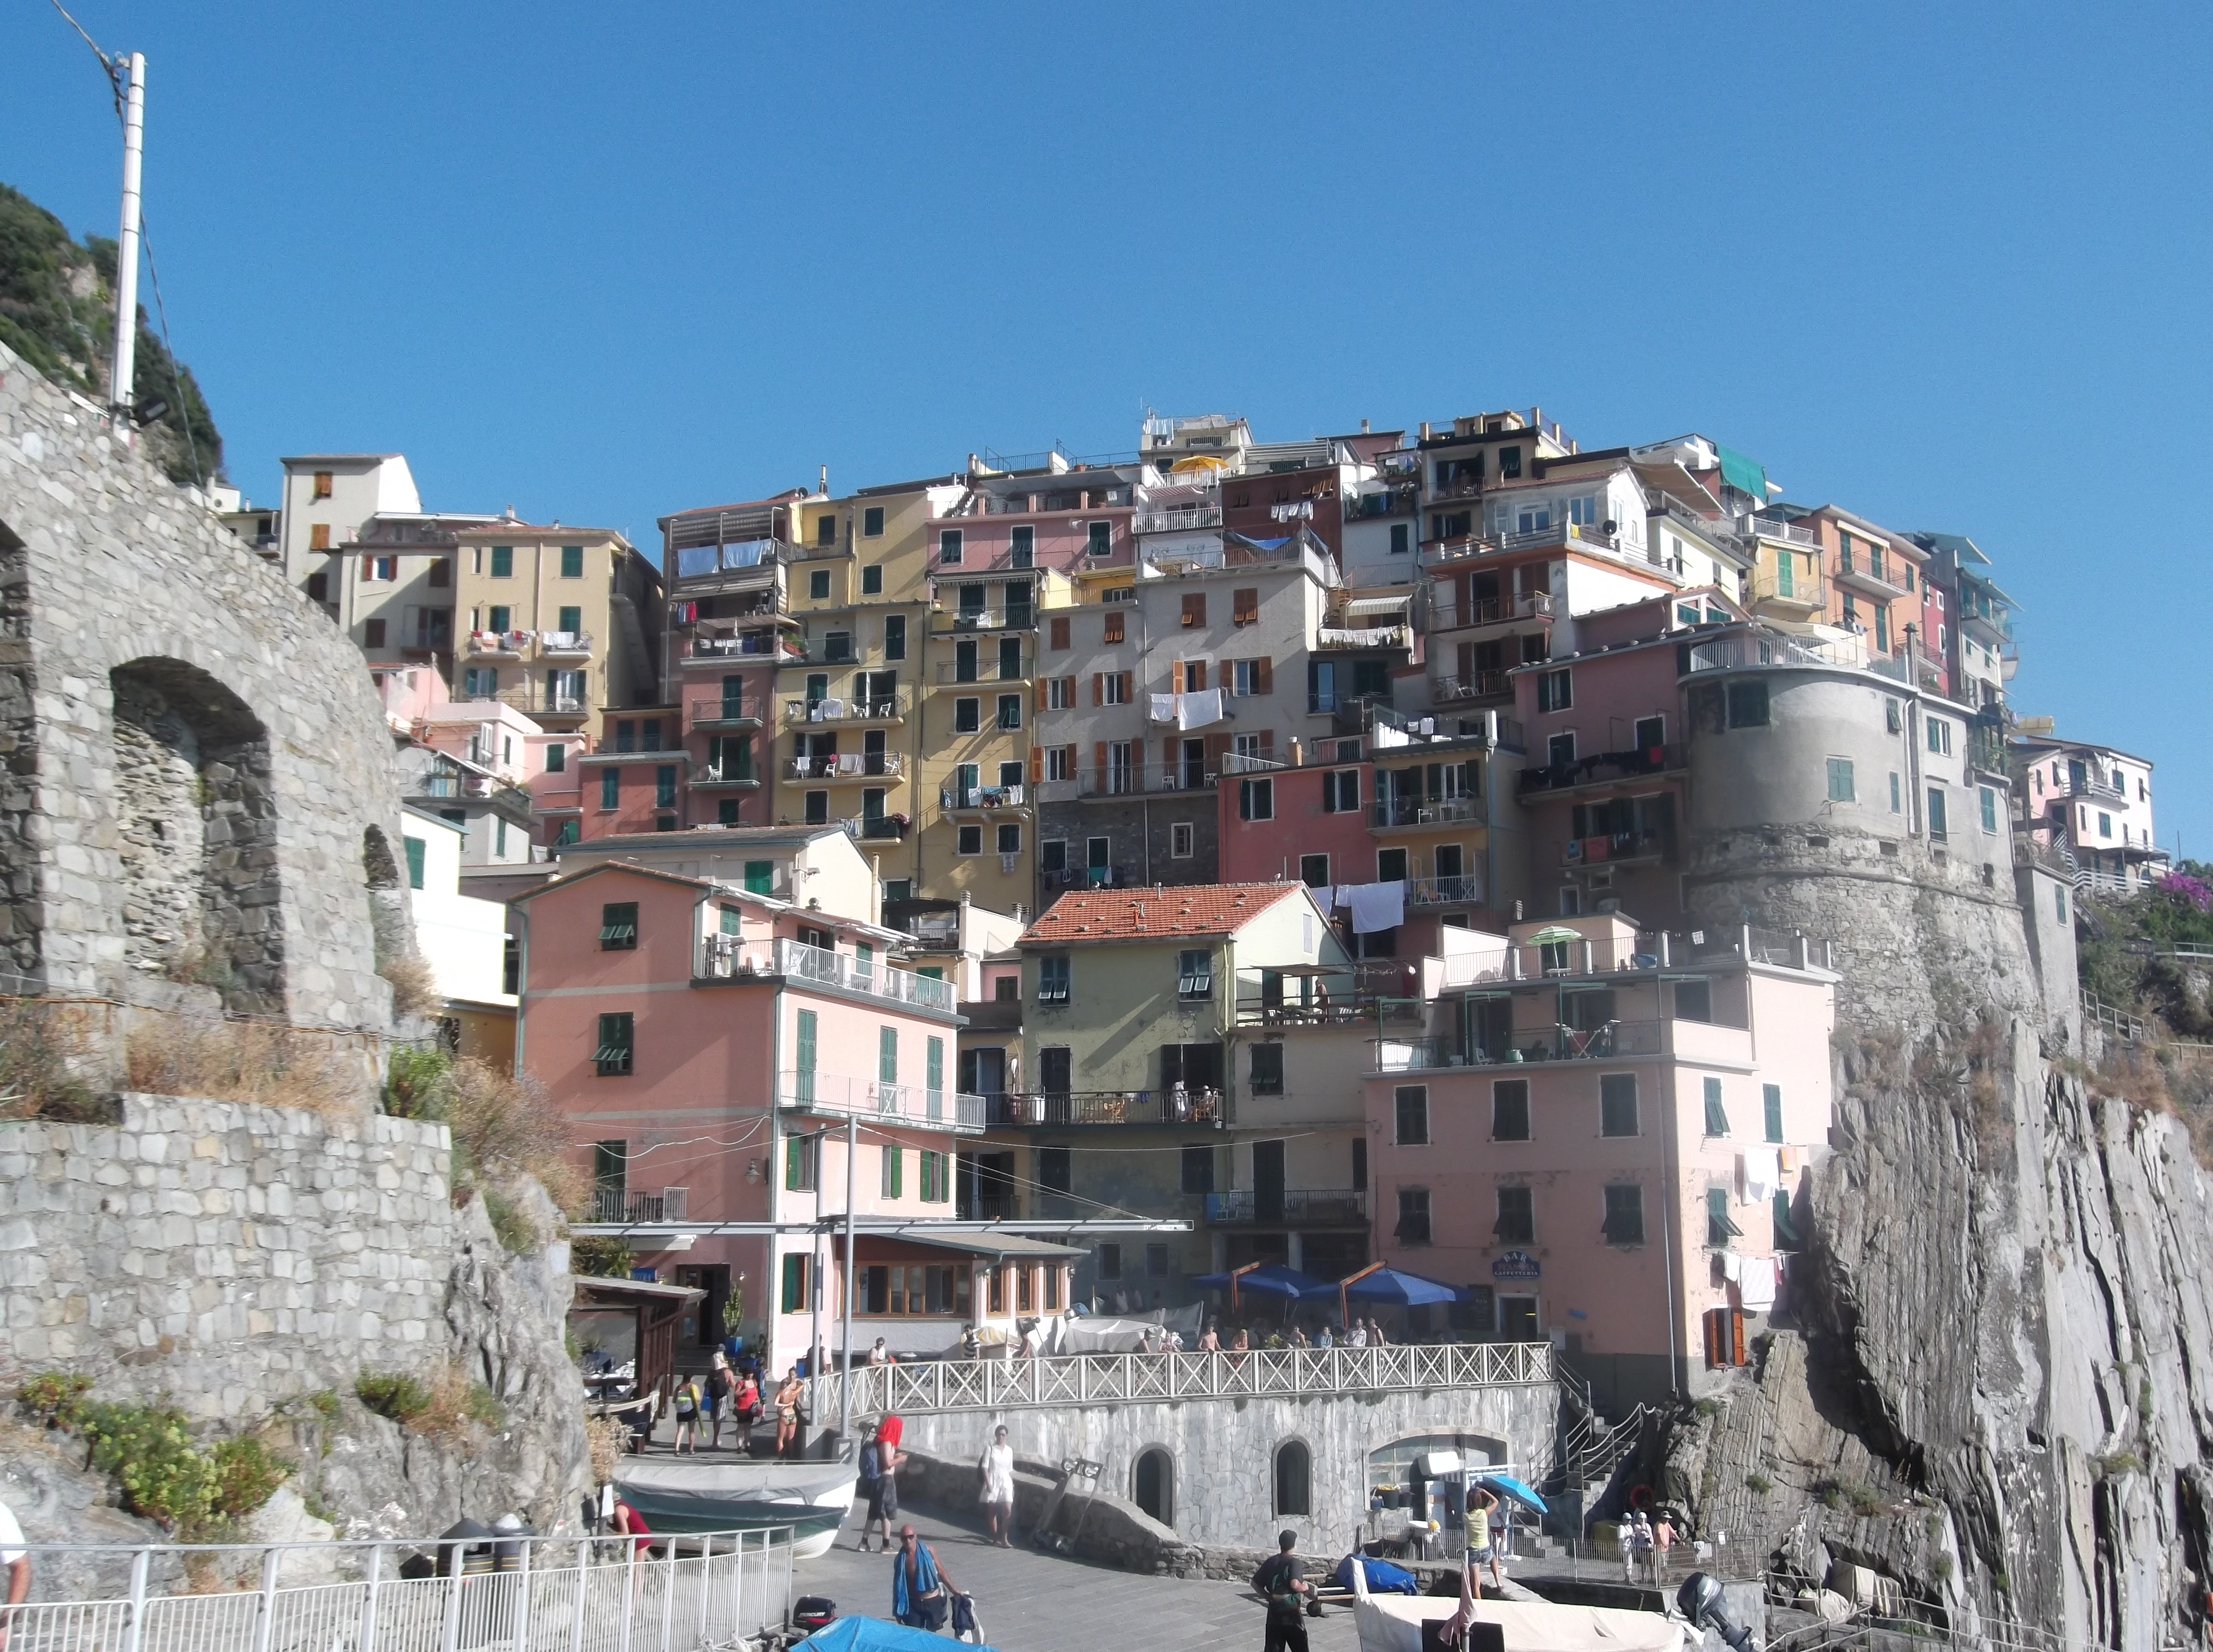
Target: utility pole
[(126, 240), (846, 1381)]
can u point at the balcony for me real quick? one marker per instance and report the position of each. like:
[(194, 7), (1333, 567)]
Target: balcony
[(888, 709), (1987, 622), (1611, 1042), (1447, 613), (882, 828), (564, 644), (1620, 848), (1016, 617), (1131, 780), (1293, 1207), (1087, 1109), (847, 766), (1388, 813), (1465, 890), (1767, 528), (913, 1104), (497, 644), (747, 645), (2096, 788), (724, 776), (1404, 500), (614, 1204), (990, 669), (1855, 574), (1183, 519), (973, 800), (729, 711), (1601, 769), (742, 565), (540, 701), (1327, 638), (1807, 593), (1483, 686), (728, 958)]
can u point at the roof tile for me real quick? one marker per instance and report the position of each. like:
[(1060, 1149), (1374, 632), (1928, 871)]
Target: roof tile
[(1204, 909)]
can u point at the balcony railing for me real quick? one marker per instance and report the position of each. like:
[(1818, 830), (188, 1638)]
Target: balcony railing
[(1602, 766), (541, 701), (1465, 890), (556, 643), (729, 958), (1336, 1207), (1641, 843), (884, 709), (1131, 779), (1768, 528), (1363, 637), (728, 709), (987, 669), (1404, 500), (498, 644), (2090, 786), (847, 766), (1425, 811), (766, 645), (1447, 613), (1018, 617), (1806, 591), (868, 1098), (1529, 1045), (613, 1205), (1483, 686), (881, 828), (1187, 519), (959, 799), (724, 774), (1078, 1109)]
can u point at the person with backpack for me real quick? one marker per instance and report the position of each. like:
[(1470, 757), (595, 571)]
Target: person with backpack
[(689, 1404), (880, 1462), (1282, 1581)]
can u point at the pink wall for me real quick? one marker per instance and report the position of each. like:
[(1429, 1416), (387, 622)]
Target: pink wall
[(1062, 537), (1257, 851)]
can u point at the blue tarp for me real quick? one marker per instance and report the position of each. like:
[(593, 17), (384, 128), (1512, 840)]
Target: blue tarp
[(1383, 1577), (871, 1634)]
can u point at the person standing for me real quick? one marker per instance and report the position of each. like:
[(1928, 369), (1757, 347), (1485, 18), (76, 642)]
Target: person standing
[(722, 1397), (17, 1559), (1481, 1550), (919, 1585), (880, 1463), (1663, 1539), (1282, 1581), (786, 1412), (996, 1465), (688, 1399), (1641, 1535)]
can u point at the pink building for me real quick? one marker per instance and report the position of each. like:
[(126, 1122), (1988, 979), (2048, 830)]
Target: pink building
[(1603, 1137), (733, 1043)]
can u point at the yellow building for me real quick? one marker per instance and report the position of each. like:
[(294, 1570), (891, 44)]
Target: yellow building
[(557, 622)]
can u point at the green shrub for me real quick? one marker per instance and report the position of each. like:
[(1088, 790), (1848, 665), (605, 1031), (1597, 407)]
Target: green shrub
[(1761, 1485), (599, 1256), (2121, 1462), (247, 1474), (510, 1222), (418, 1082), (150, 1452), (394, 1395), (55, 1398)]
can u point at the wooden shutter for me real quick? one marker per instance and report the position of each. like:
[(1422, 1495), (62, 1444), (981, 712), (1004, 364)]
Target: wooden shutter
[(1099, 763), (1044, 685), (1111, 631), (1736, 1335), (1171, 759), (1194, 676), (1246, 605), (1099, 688), (1264, 676), (1036, 765), (1217, 747), (319, 537), (1713, 1318), (1268, 744), (1194, 608), (1129, 686), (368, 567), (1175, 676), (1059, 633)]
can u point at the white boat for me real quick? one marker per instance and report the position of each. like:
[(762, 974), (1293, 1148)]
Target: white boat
[(685, 1494), (1393, 1623)]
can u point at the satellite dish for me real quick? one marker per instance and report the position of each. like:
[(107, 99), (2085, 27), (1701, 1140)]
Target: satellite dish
[(1609, 526)]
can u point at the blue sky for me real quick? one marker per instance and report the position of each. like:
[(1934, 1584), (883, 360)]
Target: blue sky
[(1946, 266)]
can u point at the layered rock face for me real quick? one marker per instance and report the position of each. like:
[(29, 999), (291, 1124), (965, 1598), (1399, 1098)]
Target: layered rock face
[(1995, 1385)]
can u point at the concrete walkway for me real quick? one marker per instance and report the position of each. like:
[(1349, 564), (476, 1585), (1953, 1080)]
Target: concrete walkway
[(1031, 1602)]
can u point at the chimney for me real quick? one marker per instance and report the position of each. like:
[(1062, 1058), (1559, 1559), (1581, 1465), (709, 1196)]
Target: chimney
[(1425, 430), (972, 464), (822, 483), (1364, 427)]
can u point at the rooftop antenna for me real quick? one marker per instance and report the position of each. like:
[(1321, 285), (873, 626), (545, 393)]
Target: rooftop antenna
[(126, 240)]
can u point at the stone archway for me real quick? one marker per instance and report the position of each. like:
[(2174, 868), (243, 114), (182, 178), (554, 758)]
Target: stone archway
[(196, 818)]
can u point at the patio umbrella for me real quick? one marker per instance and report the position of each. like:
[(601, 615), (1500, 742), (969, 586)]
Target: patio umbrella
[(1509, 1486), (1272, 1279), (1384, 1284), (1551, 936)]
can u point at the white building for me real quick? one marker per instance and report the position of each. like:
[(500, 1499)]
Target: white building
[(464, 940)]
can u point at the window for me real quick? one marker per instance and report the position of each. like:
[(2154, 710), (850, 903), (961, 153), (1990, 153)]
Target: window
[(1617, 1104), (1011, 710), (319, 588), (1099, 539), (1180, 840), (1060, 695), (1412, 1102), (1517, 1217), (967, 715), (968, 840), (1194, 609), (1198, 1170), (1108, 1260), (1625, 1215), (610, 788), (1771, 1101), (1244, 605), (1112, 628), (415, 848), (1249, 677), (1937, 826), (1390, 866), (794, 1297), (1156, 1261), (872, 521), (1990, 800), (1555, 691), (664, 786), (1256, 800), (2105, 824), (894, 1170), (1053, 1170), (1509, 1110), (1747, 705), (618, 1033), (1719, 1229), (572, 563), (1009, 838), (895, 637), (1413, 1226), (1267, 1074), (618, 926), (1056, 632), (1894, 800), (1510, 461), (373, 634), (2059, 902), (1194, 974), (503, 564), (1716, 1115), (1313, 871), (322, 485), (1940, 736), (948, 547), (1840, 780), (1294, 1479), (1053, 978)]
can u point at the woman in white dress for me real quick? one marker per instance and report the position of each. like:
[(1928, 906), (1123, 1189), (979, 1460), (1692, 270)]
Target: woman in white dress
[(997, 1467)]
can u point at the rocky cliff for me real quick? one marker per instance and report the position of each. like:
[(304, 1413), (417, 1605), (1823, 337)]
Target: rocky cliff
[(1993, 1387)]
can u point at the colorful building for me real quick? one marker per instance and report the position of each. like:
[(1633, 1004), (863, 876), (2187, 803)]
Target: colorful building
[(2088, 808)]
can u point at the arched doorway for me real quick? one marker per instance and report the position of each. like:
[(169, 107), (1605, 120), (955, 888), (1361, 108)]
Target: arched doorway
[(1294, 1479), (1153, 1485)]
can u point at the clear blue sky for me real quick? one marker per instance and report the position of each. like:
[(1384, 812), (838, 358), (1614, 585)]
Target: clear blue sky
[(1946, 266)]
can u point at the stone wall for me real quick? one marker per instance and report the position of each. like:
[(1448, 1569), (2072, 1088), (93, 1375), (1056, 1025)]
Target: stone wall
[(1224, 1450), (192, 752)]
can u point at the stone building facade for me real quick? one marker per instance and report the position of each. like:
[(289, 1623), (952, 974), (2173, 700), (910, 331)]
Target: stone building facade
[(198, 771)]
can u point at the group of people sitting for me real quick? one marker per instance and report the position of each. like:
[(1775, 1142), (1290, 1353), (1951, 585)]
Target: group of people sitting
[(1357, 1334)]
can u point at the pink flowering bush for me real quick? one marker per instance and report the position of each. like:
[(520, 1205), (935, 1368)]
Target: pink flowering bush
[(2181, 887)]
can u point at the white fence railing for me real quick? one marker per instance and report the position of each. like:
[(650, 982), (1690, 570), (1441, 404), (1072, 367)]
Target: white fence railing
[(549, 1594), (1099, 1379)]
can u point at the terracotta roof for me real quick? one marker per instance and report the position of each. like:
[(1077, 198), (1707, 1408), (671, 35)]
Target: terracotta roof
[(1202, 908)]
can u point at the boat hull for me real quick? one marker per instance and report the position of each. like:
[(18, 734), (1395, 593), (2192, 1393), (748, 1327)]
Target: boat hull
[(678, 1497)]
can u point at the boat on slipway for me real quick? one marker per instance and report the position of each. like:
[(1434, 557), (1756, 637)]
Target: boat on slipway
[(689, 1494)]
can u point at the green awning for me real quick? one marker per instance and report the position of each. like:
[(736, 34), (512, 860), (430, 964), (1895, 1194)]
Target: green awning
[(1743, 474)]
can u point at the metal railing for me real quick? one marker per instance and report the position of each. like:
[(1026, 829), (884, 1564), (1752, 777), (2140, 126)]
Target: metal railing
[(846, 765), (1601, 766), (1642, 843), (727, 709), (724, 774), (1106, 1379), (564, 642), (728, 957), (1073, 1109), (531, 1595), (1465, 890), (882, 708), (1447, 613), (503, 644), (1338, 1206), (1190, 519), (1363, 637), (1018, 617), (870, 1098), (1425, 811), (614, 1204), (1483, 686), (1809, 590), (1529, 1044), (750, 644), (1768, 528), (988, 668), (1132, 779), (952, 798)]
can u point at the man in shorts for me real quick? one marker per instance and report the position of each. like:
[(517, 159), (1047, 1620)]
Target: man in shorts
[(879, 1461)]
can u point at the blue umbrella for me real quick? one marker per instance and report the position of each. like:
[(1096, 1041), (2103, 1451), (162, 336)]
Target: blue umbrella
[(1273, 1280), (1391, 1285), (1514, 1489)]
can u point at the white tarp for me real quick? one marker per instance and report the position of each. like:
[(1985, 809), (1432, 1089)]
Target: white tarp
[(1393, 1623)]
